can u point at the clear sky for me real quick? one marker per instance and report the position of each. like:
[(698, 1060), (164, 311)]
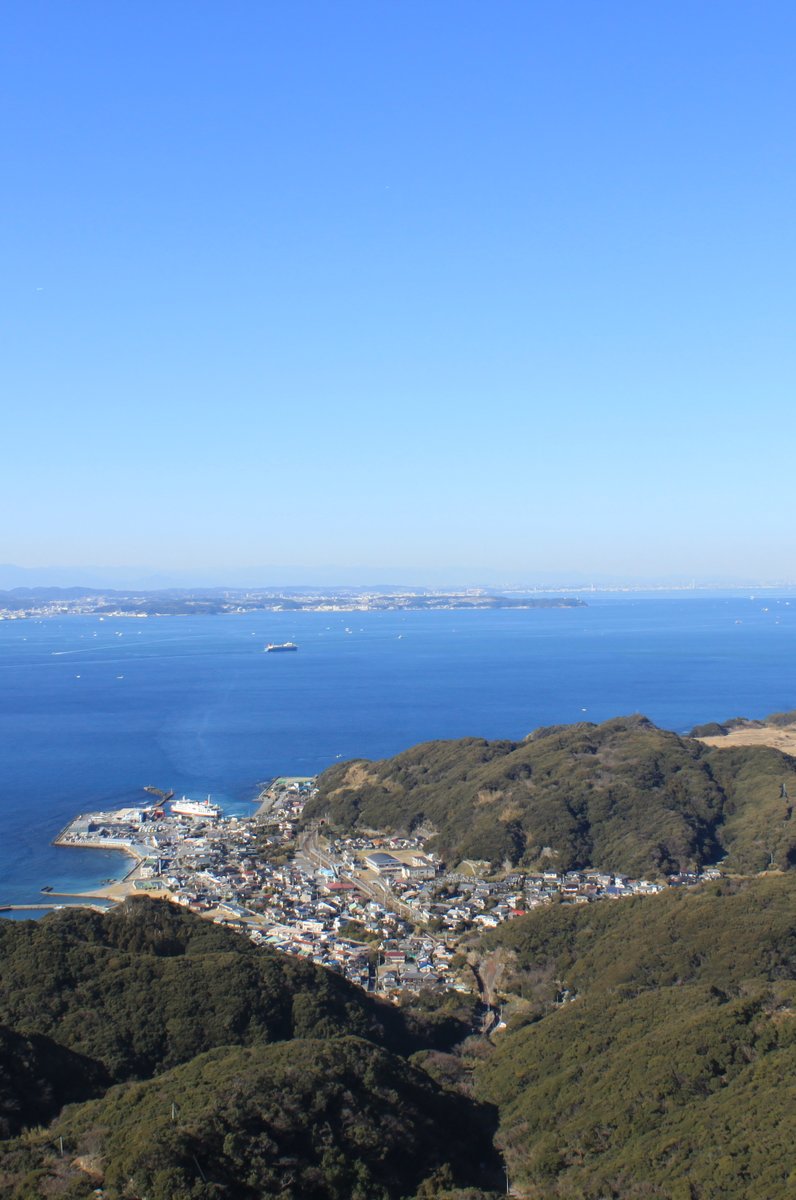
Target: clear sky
[(399, 287)]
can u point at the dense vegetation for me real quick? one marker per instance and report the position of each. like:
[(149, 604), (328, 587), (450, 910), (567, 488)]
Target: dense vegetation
[(623, 796), (305, 1091), (149, 986), (340, 1119), (650, 1051), (669, 1070), (38, 1077)]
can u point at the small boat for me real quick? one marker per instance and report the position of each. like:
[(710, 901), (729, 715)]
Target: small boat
[(273, 648)]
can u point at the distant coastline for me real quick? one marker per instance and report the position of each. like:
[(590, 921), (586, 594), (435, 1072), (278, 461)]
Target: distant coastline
[(125, 696), (21, 603)]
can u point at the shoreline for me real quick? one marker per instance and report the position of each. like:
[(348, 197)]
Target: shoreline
[(90, 831), (120, 888), (79, 835)]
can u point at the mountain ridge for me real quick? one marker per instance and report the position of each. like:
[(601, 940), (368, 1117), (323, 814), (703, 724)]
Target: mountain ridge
[(624, 796)]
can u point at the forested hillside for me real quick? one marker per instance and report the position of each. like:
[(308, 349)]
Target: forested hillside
[(330, 1119), (649, 1051), (38, 1077), (624, 796), (287, 1080), (651, 1046), (148, 986)]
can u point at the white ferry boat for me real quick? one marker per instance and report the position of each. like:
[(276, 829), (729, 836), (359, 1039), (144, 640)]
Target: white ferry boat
[(271, 648), (195, 808)]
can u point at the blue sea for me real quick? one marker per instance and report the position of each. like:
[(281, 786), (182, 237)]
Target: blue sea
[(92, 710)]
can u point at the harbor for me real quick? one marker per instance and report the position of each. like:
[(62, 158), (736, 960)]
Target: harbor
[(382, 909)]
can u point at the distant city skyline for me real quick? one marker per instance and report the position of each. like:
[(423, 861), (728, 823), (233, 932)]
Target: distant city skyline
[(372, 291)]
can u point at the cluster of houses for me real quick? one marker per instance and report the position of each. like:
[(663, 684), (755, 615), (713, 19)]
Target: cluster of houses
[(217, 868), (380, 910), (456, 902), (459, 902)]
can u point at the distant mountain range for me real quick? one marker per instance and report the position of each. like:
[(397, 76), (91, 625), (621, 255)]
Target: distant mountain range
[(332, 577)]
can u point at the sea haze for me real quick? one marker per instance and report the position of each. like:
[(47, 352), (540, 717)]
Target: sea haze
[(92, 710)]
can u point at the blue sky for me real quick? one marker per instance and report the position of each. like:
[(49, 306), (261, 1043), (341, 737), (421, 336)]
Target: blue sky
[(407, 288)]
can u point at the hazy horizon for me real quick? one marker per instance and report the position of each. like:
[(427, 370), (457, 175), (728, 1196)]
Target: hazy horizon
[(331, 578)]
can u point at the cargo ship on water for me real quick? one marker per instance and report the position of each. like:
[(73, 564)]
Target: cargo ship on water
[(195, 808), (272, 648)]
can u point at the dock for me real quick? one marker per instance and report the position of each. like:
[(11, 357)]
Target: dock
[(78, 835), (101, 908)]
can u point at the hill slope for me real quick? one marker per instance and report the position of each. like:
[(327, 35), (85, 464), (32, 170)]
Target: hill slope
[(671, 1070), (624, 796), (303, 1120), (148, 986), (667, 1072), (289, 1080), (38, 1077)]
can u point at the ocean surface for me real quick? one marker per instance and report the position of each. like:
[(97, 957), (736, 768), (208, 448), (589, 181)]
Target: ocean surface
[(92, 710)]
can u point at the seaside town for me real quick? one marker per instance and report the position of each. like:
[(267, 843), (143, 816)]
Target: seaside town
[(381, 910)]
